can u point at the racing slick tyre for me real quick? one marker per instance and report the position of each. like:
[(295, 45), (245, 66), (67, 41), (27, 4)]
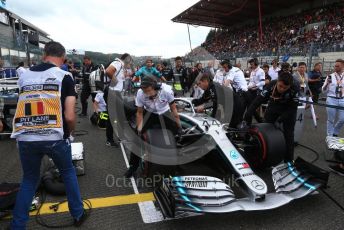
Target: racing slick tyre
[(270, 146), (162, 153)]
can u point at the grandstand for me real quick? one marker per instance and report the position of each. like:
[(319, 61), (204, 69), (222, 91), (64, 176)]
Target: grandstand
[(290, 30)]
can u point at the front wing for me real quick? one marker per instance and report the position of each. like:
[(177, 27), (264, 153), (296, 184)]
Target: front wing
[(204, 194)]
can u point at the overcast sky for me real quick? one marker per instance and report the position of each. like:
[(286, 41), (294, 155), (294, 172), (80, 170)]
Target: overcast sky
[(140, 27)]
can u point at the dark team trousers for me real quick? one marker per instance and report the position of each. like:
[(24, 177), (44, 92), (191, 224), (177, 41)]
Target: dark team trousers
[(109, 131), (240, 103), (250, 96), (315, 94), (85, 94), (287, 115), (165, 121)]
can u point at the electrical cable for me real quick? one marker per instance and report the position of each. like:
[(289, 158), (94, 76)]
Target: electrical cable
[(317, 155), (55, 207)]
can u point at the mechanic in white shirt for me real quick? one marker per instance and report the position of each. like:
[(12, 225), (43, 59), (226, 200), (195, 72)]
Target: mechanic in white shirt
[(255, 85), (274, 69), (115, 71), (20, 69), (99, 104), (155, 102), (236, 80), (100, 114), (222, 74)]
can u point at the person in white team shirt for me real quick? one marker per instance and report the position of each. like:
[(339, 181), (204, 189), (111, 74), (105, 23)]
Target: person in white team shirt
[(100, 111), (222, 74), (20, 69), (115, 72), (255, 85), (274, 69), (334, 87), (156, 101), (237, 81), (99, 104)]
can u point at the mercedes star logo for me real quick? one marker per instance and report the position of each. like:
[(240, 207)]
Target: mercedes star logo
[(257, 185)]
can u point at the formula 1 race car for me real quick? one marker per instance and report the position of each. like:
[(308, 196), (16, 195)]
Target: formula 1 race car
[(249, 162)]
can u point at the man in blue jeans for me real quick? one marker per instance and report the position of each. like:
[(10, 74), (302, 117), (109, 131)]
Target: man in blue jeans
[(334, 87), (44, 124)]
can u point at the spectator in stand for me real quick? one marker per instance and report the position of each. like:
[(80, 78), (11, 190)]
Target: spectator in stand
[(287, 34), (314, 81), (20, 69), (273, 70)]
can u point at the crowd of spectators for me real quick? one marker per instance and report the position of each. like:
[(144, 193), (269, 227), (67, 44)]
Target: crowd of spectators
[(284, 35)]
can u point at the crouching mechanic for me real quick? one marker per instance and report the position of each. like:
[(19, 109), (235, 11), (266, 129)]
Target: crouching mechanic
[(282, 96), (209, 97), (100, 114), (155, 102), (43, 124)]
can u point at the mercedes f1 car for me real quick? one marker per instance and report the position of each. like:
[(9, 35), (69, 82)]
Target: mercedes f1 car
[(249, 162)]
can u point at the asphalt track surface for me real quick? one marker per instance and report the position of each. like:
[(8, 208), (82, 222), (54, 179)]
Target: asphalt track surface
[(105, 163)]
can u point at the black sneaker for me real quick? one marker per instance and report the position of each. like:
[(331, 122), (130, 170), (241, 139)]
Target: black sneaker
[(82, 115), (337, 169), (112, 144), (130, 172), (81, 220)]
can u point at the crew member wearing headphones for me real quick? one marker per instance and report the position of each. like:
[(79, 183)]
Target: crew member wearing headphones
[(282, 96), (155, 101), (255, 85), (223, 73), (209, 97), (236, 79)]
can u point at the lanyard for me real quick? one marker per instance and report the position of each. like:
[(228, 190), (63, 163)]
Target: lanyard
[(340, 78)]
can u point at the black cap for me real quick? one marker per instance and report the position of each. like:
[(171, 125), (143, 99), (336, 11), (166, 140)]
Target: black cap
[(225, 61), (148, 81)]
